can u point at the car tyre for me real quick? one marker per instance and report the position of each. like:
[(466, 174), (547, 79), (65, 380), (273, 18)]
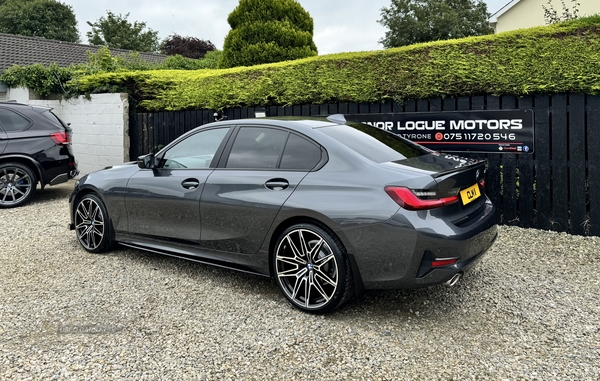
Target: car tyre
[(17, 184), (311, 268), (92, 224)]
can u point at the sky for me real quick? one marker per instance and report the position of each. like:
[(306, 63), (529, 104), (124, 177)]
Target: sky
[(340, 25)]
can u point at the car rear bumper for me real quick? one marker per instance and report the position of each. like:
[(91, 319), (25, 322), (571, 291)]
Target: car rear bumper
[(62, 178), (399, 252), (58, 170)]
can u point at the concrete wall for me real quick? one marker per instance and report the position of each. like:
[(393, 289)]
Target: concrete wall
[(529, 13), (100, 127), (18, 94)]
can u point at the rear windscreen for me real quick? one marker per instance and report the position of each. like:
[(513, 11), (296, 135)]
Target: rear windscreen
[(374, 144)]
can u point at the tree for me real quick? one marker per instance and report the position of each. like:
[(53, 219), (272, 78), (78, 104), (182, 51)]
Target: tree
[(414, 21), (114, 31), (264, 31), (39, 18), (190, 47), (551, 15)]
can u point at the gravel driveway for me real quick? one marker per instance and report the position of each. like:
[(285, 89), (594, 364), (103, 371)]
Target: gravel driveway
[(528, 310)]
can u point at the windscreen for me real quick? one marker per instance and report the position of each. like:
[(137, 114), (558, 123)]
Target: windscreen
[(374, 144)]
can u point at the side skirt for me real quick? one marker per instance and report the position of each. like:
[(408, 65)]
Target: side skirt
[(188, 255)]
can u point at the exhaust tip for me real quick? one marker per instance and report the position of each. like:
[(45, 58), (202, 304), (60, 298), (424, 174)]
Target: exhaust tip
[(454, 280)]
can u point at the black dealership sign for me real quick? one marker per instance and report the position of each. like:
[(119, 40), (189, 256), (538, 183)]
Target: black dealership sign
[(460, 131)]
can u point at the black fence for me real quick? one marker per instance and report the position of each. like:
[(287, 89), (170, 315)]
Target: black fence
[(555, 188)]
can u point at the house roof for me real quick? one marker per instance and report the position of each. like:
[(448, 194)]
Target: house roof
[(494, 18), (23, 50)]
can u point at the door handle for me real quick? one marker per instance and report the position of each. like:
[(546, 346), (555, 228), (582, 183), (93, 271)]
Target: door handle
[(190, 183), (277, 184)]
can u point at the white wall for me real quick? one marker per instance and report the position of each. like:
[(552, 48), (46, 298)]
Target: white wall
[(100, 128), (18, 94), (529, 13)]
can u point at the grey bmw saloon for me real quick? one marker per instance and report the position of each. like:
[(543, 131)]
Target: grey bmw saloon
[(326, 207)]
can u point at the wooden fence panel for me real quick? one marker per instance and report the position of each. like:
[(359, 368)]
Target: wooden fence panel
[(576, 169), (543, 167), (160, 131), (509, 174), (385, 108), (559, 160), (352, 108), (493, 186), (593, 156), (134, 133), (435, 104), (526, 178), (151, 121)]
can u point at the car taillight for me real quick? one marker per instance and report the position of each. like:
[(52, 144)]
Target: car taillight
[(407, 199), (60, 138)]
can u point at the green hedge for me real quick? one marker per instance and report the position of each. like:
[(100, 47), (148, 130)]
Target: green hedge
[(53, 79), (558, 58)]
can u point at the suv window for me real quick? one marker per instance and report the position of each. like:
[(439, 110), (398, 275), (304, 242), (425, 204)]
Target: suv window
[(53, 118), (257, 147), (374, 144), (196, 151), (11, 121)]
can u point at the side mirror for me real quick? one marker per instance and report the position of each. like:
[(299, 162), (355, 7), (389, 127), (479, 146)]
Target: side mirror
[(146, 161)]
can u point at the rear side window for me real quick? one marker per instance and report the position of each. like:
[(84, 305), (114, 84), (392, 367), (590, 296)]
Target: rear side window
[(12, 122), (374, 144), (300, 154), (53, 118), (257, 147)]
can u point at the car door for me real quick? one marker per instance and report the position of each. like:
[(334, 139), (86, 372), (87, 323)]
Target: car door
[(164, 202), (242, 196)]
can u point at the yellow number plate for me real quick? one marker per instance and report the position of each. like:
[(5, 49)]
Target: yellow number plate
[(470, 194)]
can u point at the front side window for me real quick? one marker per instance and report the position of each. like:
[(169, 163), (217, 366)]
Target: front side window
[(257, 147), (13, 122), (196, 151)]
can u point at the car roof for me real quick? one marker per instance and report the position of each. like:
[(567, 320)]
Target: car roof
[(297, 123), (12, 103), (18, 105)]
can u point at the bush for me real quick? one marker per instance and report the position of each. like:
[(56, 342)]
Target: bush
[(557, 58), (211, 59), (42, 80), (53, 79), (190, 47), (178, 62), (265, 31)]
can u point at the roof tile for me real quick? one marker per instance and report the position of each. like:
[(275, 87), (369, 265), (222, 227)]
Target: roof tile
[(22, 50)]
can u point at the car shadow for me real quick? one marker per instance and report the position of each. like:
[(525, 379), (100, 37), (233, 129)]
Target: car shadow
[(51, 193), (398, 305)]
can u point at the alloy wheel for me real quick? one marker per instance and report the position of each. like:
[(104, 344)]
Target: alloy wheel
[(307, 269), (15, 186), (89, 223)]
